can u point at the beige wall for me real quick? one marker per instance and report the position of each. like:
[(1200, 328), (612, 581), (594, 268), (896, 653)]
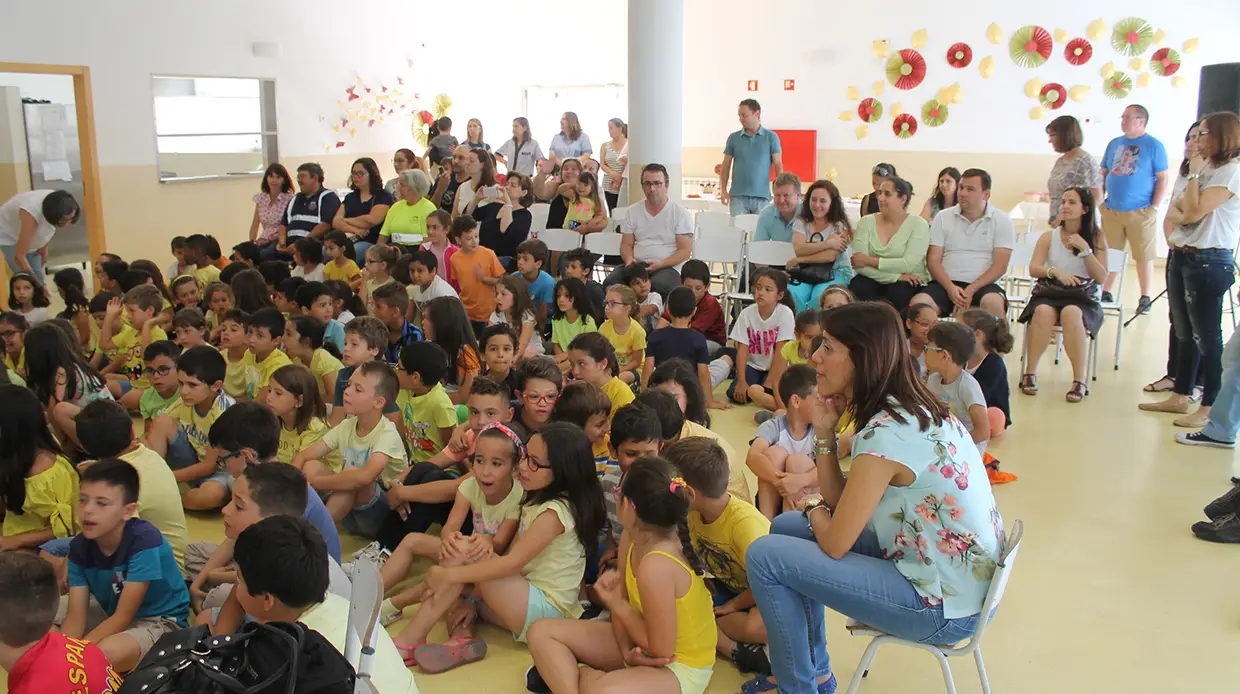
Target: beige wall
[(184, 165)]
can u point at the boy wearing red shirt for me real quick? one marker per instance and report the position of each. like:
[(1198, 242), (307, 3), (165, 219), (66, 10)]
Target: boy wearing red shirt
[(708, 319), (40, 661)]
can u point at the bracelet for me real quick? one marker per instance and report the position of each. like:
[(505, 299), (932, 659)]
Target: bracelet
[(824, 447)]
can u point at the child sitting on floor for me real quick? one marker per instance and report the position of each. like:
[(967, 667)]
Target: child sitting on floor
[(190, 328), (994, 339), (499, 353), (294, 397), (40, 488), (782, 452), (428, 415), (650, 303), (625, 333), (587, 406), (234, 348), (678, 340), (318, 301), (573, 316), (127, 343), (303, 343), (796, 351), (593, 360), (949, 349)]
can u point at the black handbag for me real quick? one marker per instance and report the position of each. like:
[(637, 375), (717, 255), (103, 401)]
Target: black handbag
[(1085, 292), (812, 273), (275, 658)]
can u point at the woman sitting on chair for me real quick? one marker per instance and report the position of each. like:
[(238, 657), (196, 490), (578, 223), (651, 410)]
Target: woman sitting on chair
[(1069, 263), (889, 248), (911, 545), (821, 236)]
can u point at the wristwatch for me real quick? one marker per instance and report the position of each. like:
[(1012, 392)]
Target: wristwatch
[(813, 503)]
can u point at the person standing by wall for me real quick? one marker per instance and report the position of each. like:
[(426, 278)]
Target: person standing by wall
[(613, 159), (27, 223), (749, 153)]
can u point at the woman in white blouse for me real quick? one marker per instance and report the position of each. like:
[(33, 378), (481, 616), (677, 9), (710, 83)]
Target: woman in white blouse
[(1201, 265), (821, 234)]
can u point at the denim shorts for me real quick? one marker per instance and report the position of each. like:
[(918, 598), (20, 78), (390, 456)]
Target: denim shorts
[(537, 607), (57, 548), (181, 454), (366, 519), (125, 386)]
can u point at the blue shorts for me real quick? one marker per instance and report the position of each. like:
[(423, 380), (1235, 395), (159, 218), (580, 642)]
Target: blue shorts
[(181, 454), (720, 595), (57, 548), (537, 607), (367, 519), (125, 386)]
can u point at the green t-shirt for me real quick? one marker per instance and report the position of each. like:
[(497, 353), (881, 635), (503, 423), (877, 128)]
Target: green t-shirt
[(405, 223), (153, 404), (424, 416), (563, 332)]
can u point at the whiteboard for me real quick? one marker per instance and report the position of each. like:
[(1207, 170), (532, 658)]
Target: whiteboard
[(594, 105)]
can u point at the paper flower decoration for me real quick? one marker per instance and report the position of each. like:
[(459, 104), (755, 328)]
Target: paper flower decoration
[(1190, 45), (1060, 36), (959, 55), (1033, 88), (1108, 70), (870, 110), (862, 131), (904, 126), (831, 174), (1132, 36), (1096, 29), (906, 69), (426, 117), (994, 34), (1160, 37), (1143, 80), (443, 102), (1079, 93), (1037, 113), (1117, 85), (1030, 46), (879, 87), (1179, 82), (896, 109), (944, 96), (956, 92), (1053, 95), (919, 39), (1078, 52), (933, 113), (1165, 62), (846, 115), (853, 94), (880, 49), (1136, 64), (987, 67)]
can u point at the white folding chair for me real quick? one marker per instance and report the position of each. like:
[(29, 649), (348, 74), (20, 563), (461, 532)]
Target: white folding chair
[(617, 216), (748, 222), (1091, 355), (1018, 283), (559, 239), (998, 584), (710, 221), (364, 606), (539, 212), (776, 253), (726, 247), (603, 244), (1117, 262)]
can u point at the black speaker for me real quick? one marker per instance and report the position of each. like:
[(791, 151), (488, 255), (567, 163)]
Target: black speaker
[(1220, 89)]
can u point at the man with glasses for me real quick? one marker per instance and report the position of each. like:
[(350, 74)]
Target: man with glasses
[(750, 153), (658, 233), (1134, 176), (309, 214)]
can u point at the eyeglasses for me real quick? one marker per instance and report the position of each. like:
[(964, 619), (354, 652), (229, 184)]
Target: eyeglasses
[(359, 173), (7, 334), (536, 464), (934, 348), (925, 324), (535, 399), (222, 460), (161, 371), (653, 184), (613, 304)]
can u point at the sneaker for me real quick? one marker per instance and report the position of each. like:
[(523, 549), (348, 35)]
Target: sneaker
[(762, 416), (534, 682), (1107, 298), (751, 657), (589, 610), (1144, 305), (1200, 439), (389, 614), (373, 553), (1225, 529), (1225, 504)]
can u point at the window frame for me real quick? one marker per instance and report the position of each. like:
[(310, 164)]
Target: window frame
[(268, 133)]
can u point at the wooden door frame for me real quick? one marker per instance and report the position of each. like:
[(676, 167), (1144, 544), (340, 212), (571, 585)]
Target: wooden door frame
[(84, 105)]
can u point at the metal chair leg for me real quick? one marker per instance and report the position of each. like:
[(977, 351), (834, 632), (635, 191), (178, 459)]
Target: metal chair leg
[(863, 667), (981, 670), (947, 672)]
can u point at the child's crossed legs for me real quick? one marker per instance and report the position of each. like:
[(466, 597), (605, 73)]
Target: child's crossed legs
[(798, 480)]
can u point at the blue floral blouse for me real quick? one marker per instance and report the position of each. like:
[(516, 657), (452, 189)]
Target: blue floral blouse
[(943, 531)]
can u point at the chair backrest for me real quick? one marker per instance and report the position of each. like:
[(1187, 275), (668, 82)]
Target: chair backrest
[(720, 245), (603, 243), (559, 239), (748, 222), (770, 252), (709, 221), (1022, 253), (998, 585), (1117, 262), (539, 212), (364, 606)]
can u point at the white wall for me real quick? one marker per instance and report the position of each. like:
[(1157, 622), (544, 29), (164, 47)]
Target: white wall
[(826, 46)]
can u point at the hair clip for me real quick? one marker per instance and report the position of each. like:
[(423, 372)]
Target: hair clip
[(509, 433), (677, 484)]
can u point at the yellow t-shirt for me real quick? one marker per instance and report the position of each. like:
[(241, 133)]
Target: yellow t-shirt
[(260, 371), (696, 637), (619, 393), (129, 351), (488, 517), (405, 224), (213, 322), (602, 455), (196, 425), (356, 450), (424, 416), (236, 376), (51, 502), (20, 366), (740, 478), (323, 363), (632, 340), (558, 569), (388, 672), (346, 273), (372, 285), (722, 544), (206, 275), (159, 499), (791, 353), (293, 442)]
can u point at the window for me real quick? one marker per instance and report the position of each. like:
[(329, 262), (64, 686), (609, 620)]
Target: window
[(593, 104), (211, 127)]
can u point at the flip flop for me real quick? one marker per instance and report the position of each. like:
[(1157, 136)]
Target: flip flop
[(1150, 387), (406, 653), (440, 657), (757, 685)]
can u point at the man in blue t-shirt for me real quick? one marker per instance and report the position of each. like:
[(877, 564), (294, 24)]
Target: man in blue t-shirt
[(747, 160), (125, 565), (1134, 176)]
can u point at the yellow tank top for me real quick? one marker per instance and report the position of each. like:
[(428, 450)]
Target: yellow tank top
[(695, 619)]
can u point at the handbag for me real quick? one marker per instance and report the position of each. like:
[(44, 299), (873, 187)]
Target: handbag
[(813, 273), (1085, 292), (274, 658)]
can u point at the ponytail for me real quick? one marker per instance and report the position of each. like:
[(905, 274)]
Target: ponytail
[(996, 336)]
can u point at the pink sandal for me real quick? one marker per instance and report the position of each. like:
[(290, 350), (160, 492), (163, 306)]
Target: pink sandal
[(406, 653), (440, 657)]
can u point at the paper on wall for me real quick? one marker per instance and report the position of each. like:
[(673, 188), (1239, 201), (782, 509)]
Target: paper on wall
[(57, 171), (54, 145)]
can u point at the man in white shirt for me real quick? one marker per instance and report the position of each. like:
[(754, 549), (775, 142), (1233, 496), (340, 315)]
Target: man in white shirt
[(970, 246), (658, 233)]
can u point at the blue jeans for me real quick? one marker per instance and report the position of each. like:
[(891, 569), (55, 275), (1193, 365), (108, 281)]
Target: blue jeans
[(1225, 414), (753, 377), (359, 250), (792, 580), (1196, 285), (33, 257), (747, 204), (181, 454)]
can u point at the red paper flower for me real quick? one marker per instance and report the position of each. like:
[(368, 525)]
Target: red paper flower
[(904, 126), (426, 117), (1053, 96), (1078, 52), (870, 110), (959, 55), (906, 69), (1165, 62)]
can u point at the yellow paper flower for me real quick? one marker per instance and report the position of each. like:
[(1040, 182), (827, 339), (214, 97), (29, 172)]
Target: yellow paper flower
[(830, 174), (1033, 87), (853, 94), (1143, 80), (1061, 36), (896, 109), (880, 49), (1160, 37), (1037, 113), (957, 92), (994, 33), (1136, 64), (1096, 30), (986, 67), (919, 39), (1179, 82), (1078, 93), (846, 115), (1108, 70), (880, 87), (862, 131), (1190, 45), (944, 95)]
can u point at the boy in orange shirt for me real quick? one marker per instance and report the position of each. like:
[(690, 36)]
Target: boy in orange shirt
[(477, 269)]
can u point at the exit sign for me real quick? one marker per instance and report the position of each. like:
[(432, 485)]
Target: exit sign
[(790, 85), (753, 85)]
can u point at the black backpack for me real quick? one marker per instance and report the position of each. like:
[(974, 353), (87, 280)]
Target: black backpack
[(276, 658)]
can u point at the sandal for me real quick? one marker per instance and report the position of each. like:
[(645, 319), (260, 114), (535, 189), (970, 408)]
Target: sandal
[(1156, 388), (1077, 392), (406, 653), (1029, 384), (440, 657), (759, 684)]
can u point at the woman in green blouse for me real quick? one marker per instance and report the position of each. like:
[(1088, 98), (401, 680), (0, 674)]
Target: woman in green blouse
[(889, 248)]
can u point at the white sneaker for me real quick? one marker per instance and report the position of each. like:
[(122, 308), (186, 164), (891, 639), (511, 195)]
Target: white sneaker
[(389, 614), (373, 553)]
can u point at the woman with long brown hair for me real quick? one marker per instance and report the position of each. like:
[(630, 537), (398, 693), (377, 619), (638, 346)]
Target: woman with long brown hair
[(821, 236), (270, 204), (908, 542), (571, 141)]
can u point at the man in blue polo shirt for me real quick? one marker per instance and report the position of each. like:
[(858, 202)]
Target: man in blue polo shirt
[(775, 222), (750, 153)]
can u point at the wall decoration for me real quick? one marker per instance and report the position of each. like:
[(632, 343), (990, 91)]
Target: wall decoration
[(933, 113), (1165, 62), (987, 67), (1030, 46), (862, 131), (905, 126), (1179, 82), (1160, 37), (1079, 93), (1136, 64), (879, 87), (906, 69), (790, 85), (853, 94), (1132, 36), (870, 110), (1143, 80), (1189, 45), (1117, 85), (919, 39), (1033, 88), (1108, 70), (896, 109), (751, 85), (1053, 96), (1037, 113), (880, 48), (959, 55), (846, 115), (1096, 30), (1078, 52), (994, 34), (1061, 36)]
